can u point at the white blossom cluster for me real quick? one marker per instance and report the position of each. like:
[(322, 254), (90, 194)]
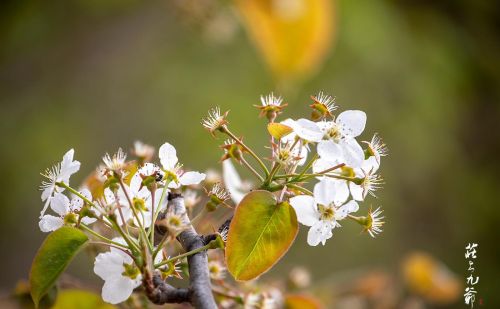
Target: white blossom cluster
[(131, 205), (346, 172)]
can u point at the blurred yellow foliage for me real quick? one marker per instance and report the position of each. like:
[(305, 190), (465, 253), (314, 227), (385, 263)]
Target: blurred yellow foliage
[(293, 36), (430, 278)]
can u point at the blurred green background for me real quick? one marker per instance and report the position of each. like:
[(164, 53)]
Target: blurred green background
[(98, 75)]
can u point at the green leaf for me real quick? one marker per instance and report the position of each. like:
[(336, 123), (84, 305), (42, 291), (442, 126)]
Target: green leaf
[(79, 299), (259, 235), (52, 258)]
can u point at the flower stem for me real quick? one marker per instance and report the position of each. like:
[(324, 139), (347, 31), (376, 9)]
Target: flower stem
[(301, 189), (91, 231), (308, 165), (247, 165), (180, 256), (250, 151)]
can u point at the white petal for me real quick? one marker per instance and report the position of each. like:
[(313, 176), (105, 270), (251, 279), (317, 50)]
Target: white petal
[(322, 164), (50, 223), (306, 209), (77, 202), (60, 204), (352, 152), (324, 191), (232, 181), (47, 192), (109, 196), (319, 232), (87, 220), (331, 151), (68, 166), (352, 122), (117, 289), (341, 191), (356, 192), (191, 178), (108, 265), (307, 130), (168, 156), (371, 164), (346, 209)]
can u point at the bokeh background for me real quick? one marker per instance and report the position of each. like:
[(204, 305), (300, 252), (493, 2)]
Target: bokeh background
[(98, 75)]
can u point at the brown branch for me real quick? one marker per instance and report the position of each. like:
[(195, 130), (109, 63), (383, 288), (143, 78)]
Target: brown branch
[(199, 293)]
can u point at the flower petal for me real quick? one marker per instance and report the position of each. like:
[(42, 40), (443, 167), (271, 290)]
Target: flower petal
[(307, 130), (319, 232), (109, 264), (168, 156), (356, 192), (352, 122), (324, 191), (305, 208), (232, 181), (344, 210), (341, 191), (60, 204), (68, 166), (352, 152), (331, 151), (117, 289), (50, 223), (191, 178)]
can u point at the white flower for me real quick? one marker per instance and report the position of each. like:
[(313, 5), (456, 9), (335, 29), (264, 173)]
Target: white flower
[(233, 183), (320, 212), (140, 193), (340, 143), (119, 273), (61, 172), (374, 222), (115, 163), (169, 160), (61, 205)]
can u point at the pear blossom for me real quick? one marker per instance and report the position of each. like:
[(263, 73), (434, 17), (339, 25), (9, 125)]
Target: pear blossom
[(61, 172), (170, 163), (320, 212), (65, 208), (340, 143), (233, 183), (141, 194), (121, 276)]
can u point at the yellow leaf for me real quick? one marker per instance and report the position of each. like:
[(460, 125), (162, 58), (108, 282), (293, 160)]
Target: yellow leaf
[(278, 130), (293, 36)]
